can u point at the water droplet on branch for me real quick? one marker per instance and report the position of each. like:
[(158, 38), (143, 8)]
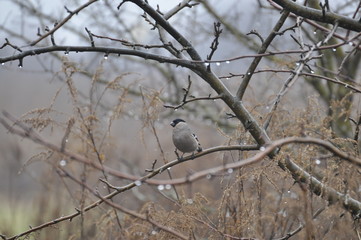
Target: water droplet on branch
[(62, 163)]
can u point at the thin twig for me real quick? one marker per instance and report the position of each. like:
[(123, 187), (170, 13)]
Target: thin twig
[(65, 20)]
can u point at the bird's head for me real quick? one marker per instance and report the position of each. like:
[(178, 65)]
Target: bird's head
[(176, 121)]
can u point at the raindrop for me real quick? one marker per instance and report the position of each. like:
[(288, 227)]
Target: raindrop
[(334, 49), (167, 168), (209, 176), (262, 149), (267, 107), (190, 201), (283, 213), (138, 183), (312, 71), (62, 163), (297, 64), (227, 78), (206, 64), (66, 140), (154, 232), (2, 64), (227, 62), (248, 73), (346, 85), (66, 52), (314, 32), (106, 56), (228, 214), (293, 195), (161, 187), (20, 65), (218, 63), (317, 161), (350, 43), (168, 186), (176, 109), (230, 170)]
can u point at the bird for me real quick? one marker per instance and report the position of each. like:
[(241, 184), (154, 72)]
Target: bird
[(183, 138)]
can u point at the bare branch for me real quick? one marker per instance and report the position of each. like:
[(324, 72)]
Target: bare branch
[(105, 50), (11, 45), (242, 88), (313, 75), (320, 16), (214, 45), (90, 37), (65, 20)]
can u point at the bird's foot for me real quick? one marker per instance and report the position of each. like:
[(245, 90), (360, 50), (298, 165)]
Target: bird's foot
[(180, 158)]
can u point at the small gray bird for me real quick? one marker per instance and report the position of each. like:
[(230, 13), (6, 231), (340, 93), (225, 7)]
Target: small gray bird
[(183, 138)]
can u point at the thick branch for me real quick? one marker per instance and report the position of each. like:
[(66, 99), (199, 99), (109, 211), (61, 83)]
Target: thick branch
[(320, 16)]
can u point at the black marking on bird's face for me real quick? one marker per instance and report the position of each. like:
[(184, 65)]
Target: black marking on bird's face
[(176, 121)]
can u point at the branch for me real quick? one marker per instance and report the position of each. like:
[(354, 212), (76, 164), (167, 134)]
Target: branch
[(105, 50), (215, 43), (320, 16), (317, 26), (60, 24), (167, 27), (11, 45), (130, 44), (179, 7), (242, 88), (313, 75), (184, 102)]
